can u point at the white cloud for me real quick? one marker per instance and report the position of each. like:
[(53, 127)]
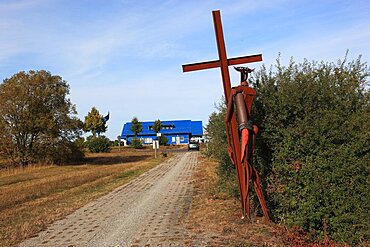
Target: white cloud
[(129, 62)]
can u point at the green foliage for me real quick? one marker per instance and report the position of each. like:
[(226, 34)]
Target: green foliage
[(37, 122), (136, 143), (157, 126), (136, 126), (315, 125), (100, 144), (163, 140), (94, 122), (217, 148)]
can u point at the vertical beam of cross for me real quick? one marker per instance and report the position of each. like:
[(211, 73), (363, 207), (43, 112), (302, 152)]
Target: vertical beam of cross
[(227, 90), (222, 53)]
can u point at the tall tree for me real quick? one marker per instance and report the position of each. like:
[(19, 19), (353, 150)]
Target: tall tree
[(37, 119), (157, 126), (136, 126), (94, 122)]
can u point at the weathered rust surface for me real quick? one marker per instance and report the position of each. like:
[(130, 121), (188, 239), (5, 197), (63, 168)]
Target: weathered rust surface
[(245, 171), (217, 64)]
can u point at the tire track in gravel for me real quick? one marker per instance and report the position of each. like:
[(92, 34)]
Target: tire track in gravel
[(145, 212)]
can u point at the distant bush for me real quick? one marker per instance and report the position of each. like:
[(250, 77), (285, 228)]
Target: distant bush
[(60, 152), (80, 143), (163, 140), (136, 143), (99, 144)]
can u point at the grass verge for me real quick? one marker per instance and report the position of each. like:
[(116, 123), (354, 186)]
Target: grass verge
[(217, 215), (34, 197)]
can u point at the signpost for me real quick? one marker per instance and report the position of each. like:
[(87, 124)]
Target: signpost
[(155, 147), (243, 168)]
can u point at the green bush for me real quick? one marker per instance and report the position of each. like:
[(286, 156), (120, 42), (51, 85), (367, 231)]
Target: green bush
[(80, 143), (60, 152), (314, 120), (99, 144), (163, 140), (136, 143)]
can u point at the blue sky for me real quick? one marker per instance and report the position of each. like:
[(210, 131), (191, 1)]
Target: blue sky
[(125, 56)]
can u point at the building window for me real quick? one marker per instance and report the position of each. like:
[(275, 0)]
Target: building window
[(164, 127), (148, 140)]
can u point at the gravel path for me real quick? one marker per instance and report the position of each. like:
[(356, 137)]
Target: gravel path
[(145, 212)]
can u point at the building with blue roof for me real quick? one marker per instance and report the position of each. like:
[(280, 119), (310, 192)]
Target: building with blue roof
[(176, 131)]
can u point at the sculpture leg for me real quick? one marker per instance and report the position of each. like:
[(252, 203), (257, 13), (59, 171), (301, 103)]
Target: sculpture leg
[(247, 200), (259, 192)]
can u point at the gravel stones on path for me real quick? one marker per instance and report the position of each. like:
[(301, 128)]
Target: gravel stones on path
[(145, 212)]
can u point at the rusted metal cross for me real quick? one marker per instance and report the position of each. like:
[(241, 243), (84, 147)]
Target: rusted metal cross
[(224, 64)]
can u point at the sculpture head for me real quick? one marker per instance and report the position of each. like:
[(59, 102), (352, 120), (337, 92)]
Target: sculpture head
[(244, 72)]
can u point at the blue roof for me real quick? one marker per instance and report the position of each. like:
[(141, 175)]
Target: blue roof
[(194, 128)]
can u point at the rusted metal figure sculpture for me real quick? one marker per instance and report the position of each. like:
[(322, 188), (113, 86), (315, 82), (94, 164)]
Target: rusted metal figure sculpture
[(240, 98)]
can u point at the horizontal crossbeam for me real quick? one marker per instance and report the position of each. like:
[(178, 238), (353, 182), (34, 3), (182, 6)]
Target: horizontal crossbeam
[(217, 63)]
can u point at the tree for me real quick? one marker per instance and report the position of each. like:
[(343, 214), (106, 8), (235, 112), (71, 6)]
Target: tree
[(136, 126), (163, 140), (37, 121), (118, 141), (157, 126), (94, 122)]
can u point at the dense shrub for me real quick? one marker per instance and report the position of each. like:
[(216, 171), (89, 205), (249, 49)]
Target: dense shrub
[(136, 143), (99, 144), (80, 143), (315, 125), (163, 140)]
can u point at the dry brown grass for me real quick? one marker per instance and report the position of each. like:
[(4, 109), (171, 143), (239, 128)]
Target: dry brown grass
[(34, 197), (218, 216)]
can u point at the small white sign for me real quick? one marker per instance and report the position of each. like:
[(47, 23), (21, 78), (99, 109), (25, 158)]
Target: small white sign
[(159, 134), (155, 144)]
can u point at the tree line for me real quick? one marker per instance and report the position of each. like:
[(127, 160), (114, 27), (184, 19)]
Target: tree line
[(39, 123), (313, 148)]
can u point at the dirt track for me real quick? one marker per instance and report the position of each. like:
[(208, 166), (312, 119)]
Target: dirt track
[(148, 211)]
